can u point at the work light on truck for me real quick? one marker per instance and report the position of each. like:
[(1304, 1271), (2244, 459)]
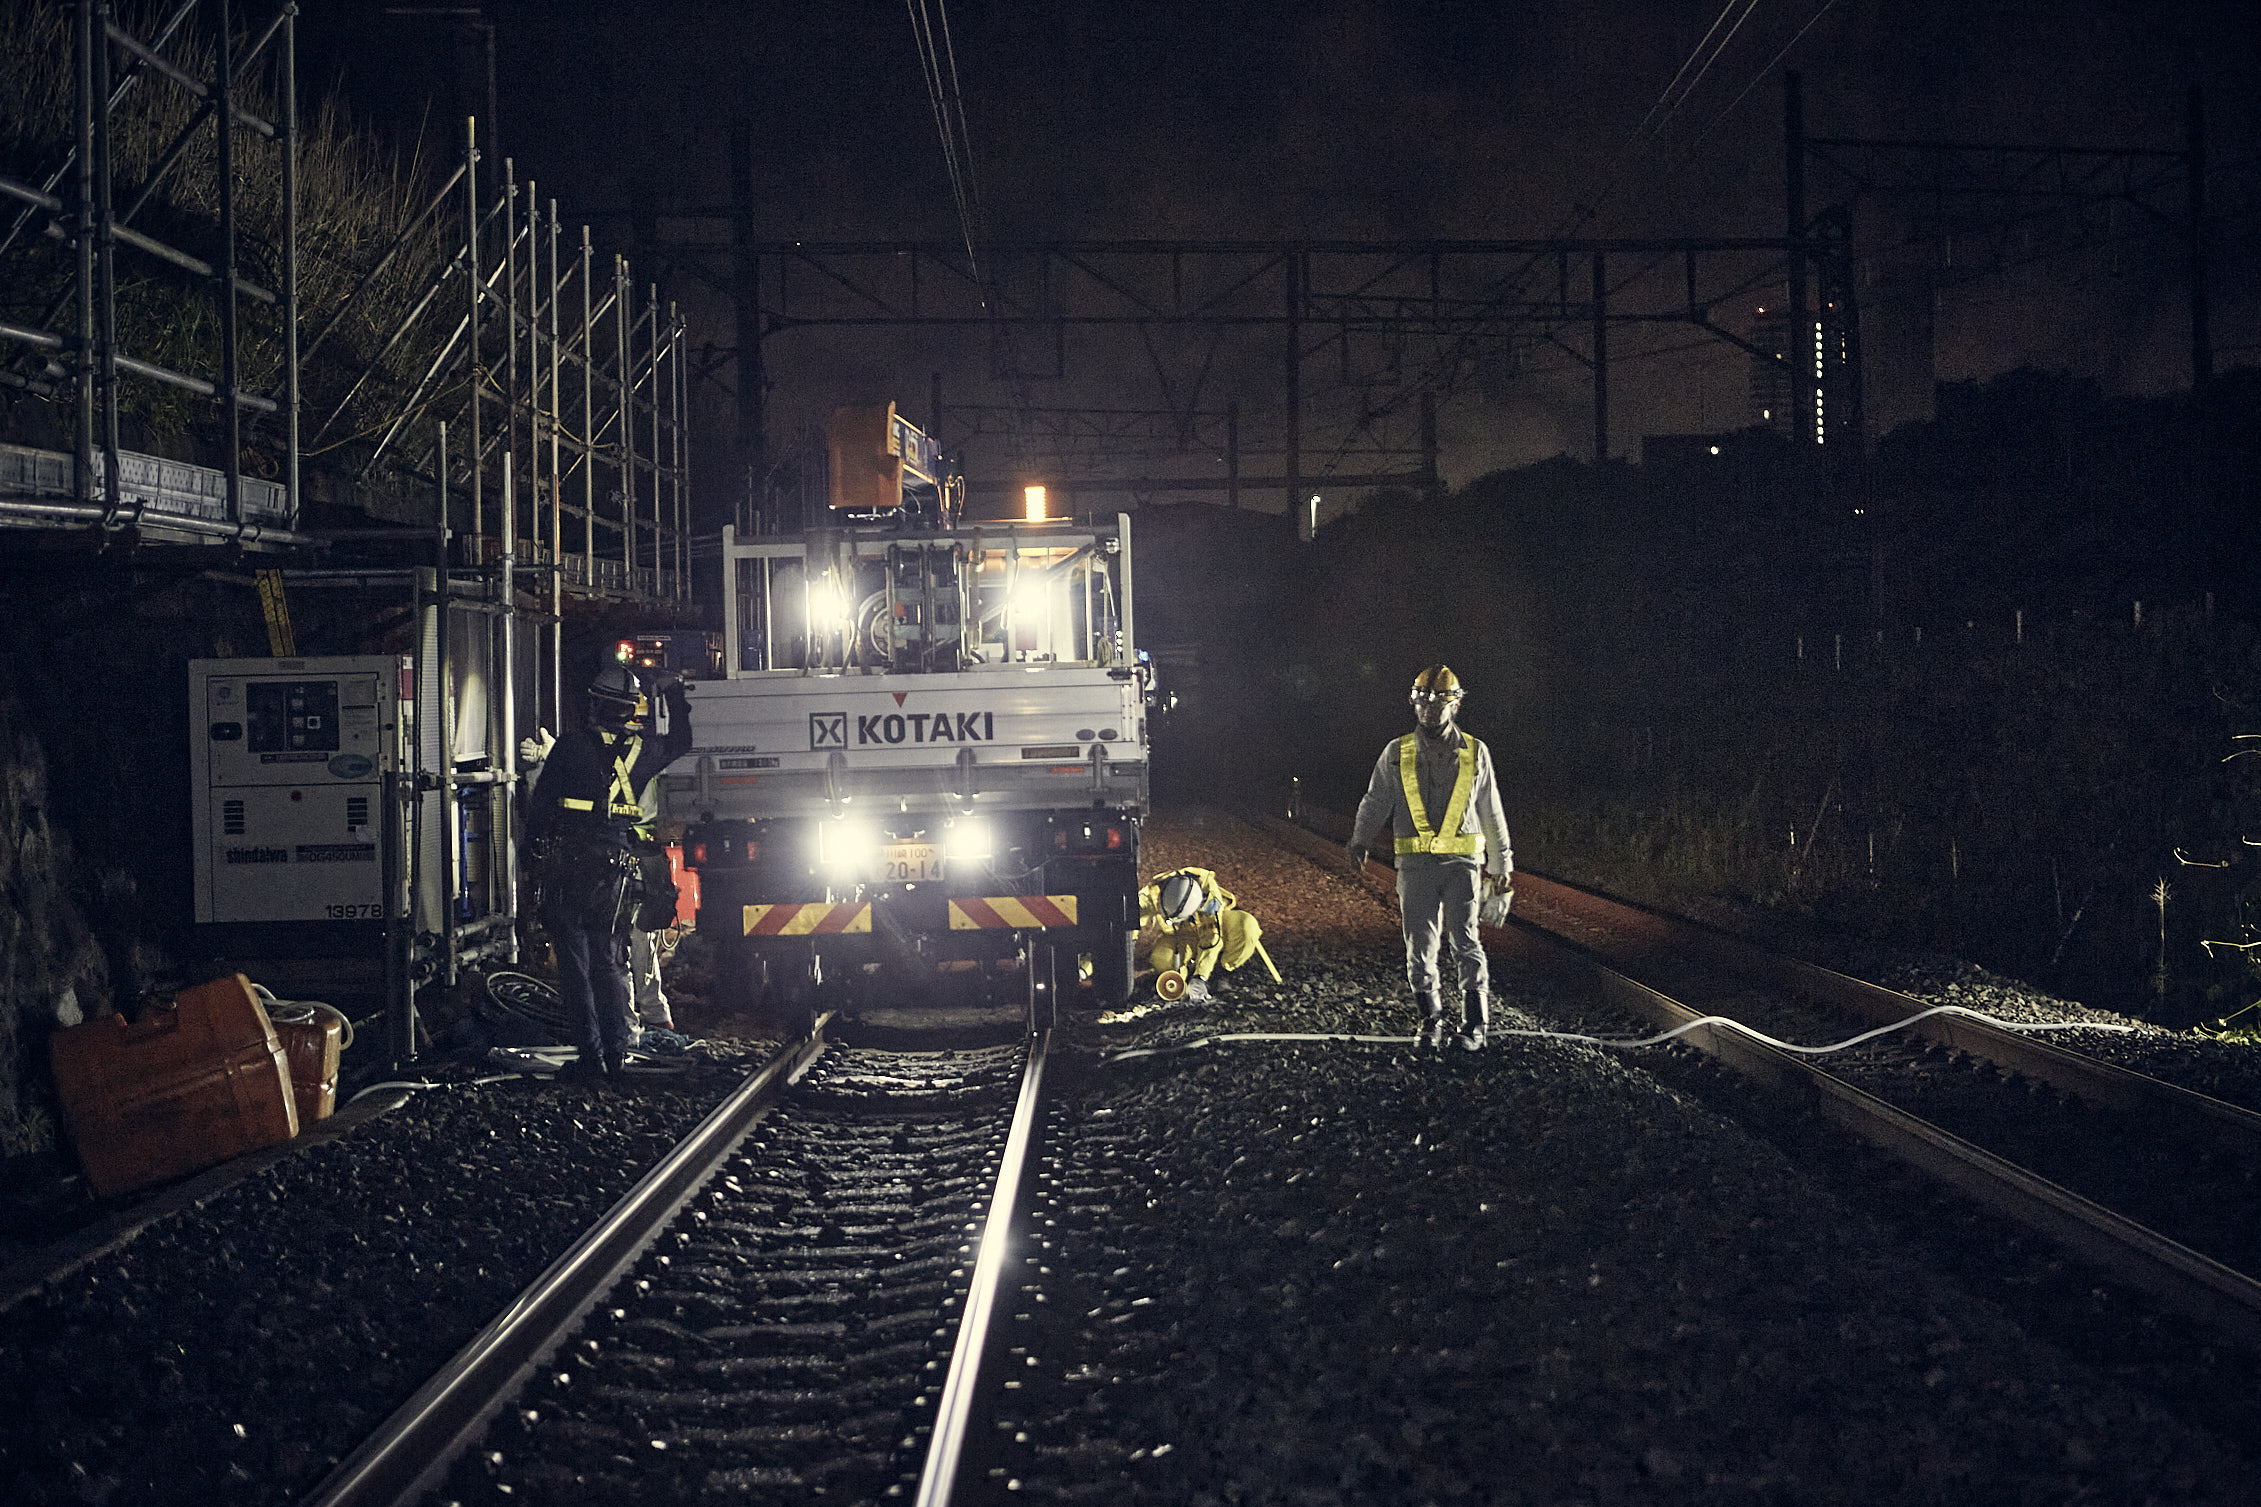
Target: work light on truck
[(969, 839), (846, 848)]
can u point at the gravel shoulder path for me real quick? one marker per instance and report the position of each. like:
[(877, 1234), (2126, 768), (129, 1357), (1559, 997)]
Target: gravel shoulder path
[(1542, 1273)]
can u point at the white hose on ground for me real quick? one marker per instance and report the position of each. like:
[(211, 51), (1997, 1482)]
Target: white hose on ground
[(417, 1084), (1646, 1041)]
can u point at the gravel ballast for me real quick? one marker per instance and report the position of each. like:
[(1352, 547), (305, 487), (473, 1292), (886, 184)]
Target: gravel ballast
[(1301, 1272), (232, 1353), (1537, 1274)]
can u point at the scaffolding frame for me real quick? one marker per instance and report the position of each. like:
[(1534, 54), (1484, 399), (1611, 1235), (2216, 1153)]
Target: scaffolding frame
[(87, 357), (589, 413), (593, 504)]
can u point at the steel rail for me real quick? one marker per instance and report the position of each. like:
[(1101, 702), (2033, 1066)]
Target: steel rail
[(953, 1412), (411, 1451), (2191, 1283), (2198, 1286), (2200, 1119)]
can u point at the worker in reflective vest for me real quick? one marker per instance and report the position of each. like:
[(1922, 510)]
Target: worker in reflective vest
[(582, 824), (1434, 790)]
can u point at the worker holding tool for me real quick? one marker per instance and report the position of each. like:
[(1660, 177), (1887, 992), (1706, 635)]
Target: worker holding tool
[(1196, 926), (583, 826), (1435, 791)]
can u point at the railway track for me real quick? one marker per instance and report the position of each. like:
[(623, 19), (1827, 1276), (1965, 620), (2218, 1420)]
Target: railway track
[(794, 1304), (1319, 1265), (2140, 1177)]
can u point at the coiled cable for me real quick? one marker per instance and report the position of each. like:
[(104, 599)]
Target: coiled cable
[(302, 1012)]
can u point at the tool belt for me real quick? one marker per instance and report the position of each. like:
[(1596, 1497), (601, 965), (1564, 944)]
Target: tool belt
[(592, 883), (657, 894)]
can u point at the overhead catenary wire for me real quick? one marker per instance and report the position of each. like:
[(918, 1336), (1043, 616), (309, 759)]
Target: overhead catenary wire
[(1668, 102), (938, 62), (1674, 96), (1757, 78)]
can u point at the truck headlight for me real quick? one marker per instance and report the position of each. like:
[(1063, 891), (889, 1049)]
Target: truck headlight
[(846, 848)]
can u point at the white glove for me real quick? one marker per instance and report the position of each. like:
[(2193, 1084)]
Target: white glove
[(536, 750), (1497, 895), (1197, 991)]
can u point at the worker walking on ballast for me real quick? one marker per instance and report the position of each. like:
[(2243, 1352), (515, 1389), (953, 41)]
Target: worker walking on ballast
[(582, 825), (1435, 791)]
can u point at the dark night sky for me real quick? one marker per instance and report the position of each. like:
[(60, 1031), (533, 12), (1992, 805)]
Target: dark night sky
[(1356, 118)]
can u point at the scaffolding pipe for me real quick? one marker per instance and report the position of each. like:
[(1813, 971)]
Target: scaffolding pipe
[(82, 479), (291, 358), (471, 334), (682, 473), (82, 150), (588, 432), (502, 848), (130, 514), (337, 315), (106, 286), (451, 822), (659, 563), (510, 322), (231, 374), (533, 383), (557, 505), (621, 330)]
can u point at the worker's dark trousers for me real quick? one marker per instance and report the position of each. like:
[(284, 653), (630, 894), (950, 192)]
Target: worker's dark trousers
[(1436, 897), (592, 983)]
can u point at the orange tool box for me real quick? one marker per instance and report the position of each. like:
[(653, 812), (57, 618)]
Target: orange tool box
[(177, 1091)]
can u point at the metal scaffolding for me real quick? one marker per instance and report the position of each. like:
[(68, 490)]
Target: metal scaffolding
[(74, 346), (585, 405), (522, 410)]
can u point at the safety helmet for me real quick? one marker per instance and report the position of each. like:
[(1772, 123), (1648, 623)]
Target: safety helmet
[(613, 693), (1181, 897), (1437, 683)]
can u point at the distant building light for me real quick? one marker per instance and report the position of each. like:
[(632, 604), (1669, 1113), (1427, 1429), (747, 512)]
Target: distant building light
[(1715, 450), (1035, 499)]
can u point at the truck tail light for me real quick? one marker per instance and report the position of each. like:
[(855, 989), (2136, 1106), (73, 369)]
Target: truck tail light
[(720, 850)]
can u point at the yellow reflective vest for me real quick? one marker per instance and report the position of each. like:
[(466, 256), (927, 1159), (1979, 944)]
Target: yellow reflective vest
[(621, 802), (1447, 836), (1472, 824)]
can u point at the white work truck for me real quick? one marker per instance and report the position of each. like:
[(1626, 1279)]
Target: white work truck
[(923, 772)]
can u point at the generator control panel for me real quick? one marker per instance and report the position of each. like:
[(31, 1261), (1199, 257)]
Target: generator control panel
[(288, 760)]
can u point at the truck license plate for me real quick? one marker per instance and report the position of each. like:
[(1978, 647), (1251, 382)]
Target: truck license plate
[(910, 863)]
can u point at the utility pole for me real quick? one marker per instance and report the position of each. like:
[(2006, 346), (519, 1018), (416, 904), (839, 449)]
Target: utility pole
[(1601, 360), (1794, 229), (746, 305)]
